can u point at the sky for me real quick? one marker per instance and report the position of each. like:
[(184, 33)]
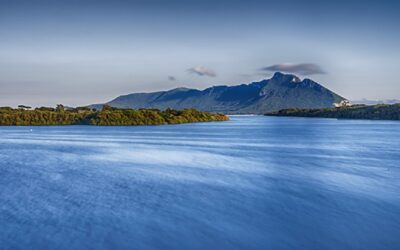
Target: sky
[(83, 52)]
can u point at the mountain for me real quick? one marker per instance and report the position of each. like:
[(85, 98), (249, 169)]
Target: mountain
[(280, 92), (374, 102)]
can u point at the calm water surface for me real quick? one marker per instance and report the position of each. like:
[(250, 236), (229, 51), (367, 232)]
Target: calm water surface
[(251, 183)]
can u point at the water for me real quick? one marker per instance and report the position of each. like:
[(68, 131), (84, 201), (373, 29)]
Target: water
[(251, 183)]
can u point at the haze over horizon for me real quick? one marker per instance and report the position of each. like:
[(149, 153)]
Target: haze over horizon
[(83, 52)]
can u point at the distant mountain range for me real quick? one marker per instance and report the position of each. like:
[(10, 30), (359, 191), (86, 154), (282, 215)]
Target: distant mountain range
[(282, 91), (374, 102)]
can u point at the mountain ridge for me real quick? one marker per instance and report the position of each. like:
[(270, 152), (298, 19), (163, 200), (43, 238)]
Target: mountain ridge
[(268, 95)]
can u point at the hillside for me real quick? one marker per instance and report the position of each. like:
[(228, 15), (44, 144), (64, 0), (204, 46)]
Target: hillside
[(280, 92), (373, 112)]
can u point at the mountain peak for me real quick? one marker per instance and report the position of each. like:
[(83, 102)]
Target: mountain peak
[(278, 75), (281, 77)]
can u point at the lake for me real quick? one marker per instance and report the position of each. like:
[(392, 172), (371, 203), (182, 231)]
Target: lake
[(253, 182)]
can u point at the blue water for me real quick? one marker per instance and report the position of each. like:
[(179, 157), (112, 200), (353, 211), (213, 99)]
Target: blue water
[(251, 183)]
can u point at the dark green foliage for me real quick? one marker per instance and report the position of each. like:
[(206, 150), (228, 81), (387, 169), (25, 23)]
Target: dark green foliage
[(6, 108), (373, 112), (108, 116), (60, 108), (82, 109), (24, 107), (45, 109)]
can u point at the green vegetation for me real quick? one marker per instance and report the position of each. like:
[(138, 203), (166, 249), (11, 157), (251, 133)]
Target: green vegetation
[(373, 112), (108, 116)]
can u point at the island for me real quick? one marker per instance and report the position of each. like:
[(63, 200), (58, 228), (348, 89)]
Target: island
[(107, 116), (372, 112)]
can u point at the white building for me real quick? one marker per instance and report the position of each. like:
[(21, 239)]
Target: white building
[(342, 103)]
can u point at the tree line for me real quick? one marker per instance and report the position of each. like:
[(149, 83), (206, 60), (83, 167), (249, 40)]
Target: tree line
[(107, 116), (373, 112)]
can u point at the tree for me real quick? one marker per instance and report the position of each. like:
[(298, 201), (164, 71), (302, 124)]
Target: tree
[(24, 107), (107, 107), (60, 108)]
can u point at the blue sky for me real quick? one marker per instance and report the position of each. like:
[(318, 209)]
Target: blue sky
[(82, 52)]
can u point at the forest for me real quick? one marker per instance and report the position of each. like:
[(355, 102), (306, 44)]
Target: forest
[(107, 116), (372, 112)]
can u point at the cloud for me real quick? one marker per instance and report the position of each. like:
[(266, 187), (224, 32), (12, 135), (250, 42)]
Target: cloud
[(245, 75), (171, 78), (302, 68), (202, 71)]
